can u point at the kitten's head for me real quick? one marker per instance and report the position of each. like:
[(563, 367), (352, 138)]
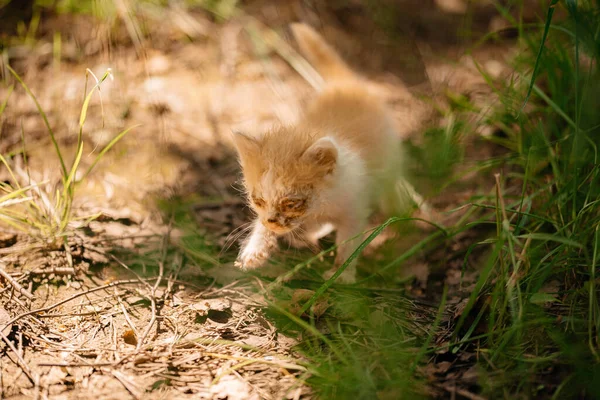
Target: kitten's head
[(284, 175)]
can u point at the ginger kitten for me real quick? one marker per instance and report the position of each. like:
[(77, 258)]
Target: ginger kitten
[(328, 172)]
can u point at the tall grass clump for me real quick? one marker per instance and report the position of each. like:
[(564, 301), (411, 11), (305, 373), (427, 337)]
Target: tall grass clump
[(540, 288), (39, 210)]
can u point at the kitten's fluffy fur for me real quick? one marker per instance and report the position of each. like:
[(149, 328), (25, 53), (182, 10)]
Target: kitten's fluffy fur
[(328, 171)]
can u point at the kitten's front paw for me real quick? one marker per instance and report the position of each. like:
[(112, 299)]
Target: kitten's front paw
[(251, 259)]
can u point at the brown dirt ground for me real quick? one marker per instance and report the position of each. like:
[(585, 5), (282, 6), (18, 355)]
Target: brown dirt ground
[(93, 327)]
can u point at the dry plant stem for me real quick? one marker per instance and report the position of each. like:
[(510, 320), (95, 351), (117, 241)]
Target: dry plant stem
[(115, 353), (153, 302), (284, 364), (19, 248), (262, 393), (12, 297), (150, 324), (60, 271), (45, 200), (145, 280), (296, 61), (20, 348), (79, 365), (126, 315), (500, 197), (14, 283), (453, 390), (152, 298), (20, 362), (36, 387), (127, 384), (46, 309), (23, 306)]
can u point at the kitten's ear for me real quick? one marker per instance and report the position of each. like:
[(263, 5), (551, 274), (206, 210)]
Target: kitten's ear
[(245, 144), (323, 154)]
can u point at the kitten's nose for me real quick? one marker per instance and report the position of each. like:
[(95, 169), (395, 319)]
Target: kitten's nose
[(274, 223)]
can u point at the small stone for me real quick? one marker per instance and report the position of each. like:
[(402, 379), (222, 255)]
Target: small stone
[(158, 65), (494, 68), (212, 304)]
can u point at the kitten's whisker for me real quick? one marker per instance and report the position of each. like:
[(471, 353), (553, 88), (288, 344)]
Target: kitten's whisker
[(236, 230), (234, 235), (300, 234), (232, 241), (312, 246), (242, 233)]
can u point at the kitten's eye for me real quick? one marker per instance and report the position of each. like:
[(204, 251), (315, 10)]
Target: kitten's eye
[(259, 202), (292, 204)]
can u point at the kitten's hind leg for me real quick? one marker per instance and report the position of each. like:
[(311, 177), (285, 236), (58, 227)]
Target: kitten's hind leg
[(320, 232), (257, 247)]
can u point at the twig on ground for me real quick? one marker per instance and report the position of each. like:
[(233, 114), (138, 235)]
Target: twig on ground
[(57, 304), (13, 282), (153, 303), (19, 248), (126, 315), (453, 390), (77, 365), (20, 362), (59, 271), (36, 388), (126, 382), (115, 353), (152, 297)]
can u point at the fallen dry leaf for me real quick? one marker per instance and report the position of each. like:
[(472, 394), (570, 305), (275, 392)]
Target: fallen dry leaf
[(129, 337)]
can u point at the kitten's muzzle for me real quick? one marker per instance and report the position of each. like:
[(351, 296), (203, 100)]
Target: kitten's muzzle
[(277, 225)]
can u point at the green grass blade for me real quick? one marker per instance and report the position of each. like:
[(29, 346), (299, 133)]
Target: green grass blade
[(485, 274), (593, 318), (319, 292), (107, 148), (5, 102), (539, 55), (88, 98), (551, 238), (555, 106), (10, 171), (44, 117), (76, 162), (19, 225), (438, 318), (310, 328), (15, 194)]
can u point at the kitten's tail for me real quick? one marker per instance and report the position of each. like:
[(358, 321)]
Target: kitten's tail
[(320, 54)]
